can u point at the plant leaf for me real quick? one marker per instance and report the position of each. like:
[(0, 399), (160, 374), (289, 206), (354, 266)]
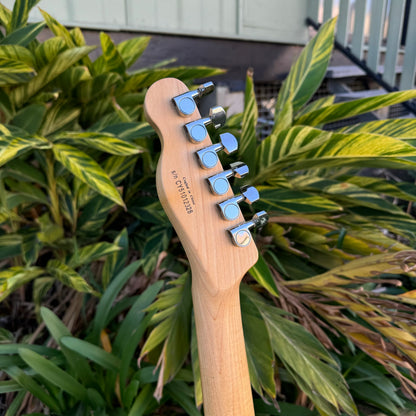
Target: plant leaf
[(87, 170)]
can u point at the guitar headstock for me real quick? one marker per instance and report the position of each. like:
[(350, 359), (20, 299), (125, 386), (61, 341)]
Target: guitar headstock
[(193, 187)]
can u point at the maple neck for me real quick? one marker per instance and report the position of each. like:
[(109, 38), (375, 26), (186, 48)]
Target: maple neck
[(217, 264)]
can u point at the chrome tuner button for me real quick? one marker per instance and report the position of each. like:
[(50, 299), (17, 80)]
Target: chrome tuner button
[(241, 235), (208, 155), (186, 103), (197, 130), (219, 183), (230, 209)]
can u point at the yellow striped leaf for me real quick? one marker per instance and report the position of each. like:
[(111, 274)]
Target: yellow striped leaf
[(5, 16), (61, 115), (24, 35), (14, 277), (87, 170), (113, 60), (17, 53), (105, 142), (248, 141), (49, 50), (353, 108), (68, 276), (20, 13), (15, 72), (399, 128), (146, 77), (15, 146), (131, 49), (309, 70), (97, 86), (48, 73)]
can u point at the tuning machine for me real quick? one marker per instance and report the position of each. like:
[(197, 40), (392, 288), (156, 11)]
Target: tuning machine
[(186, 103), (197, 130), (219, 184), (208, 155), (230, 209), (241, 235)]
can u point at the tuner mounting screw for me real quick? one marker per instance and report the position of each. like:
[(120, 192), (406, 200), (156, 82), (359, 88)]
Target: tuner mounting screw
[(241, 235), (186, 103), (208, 155), (219, 183), (197, 130)]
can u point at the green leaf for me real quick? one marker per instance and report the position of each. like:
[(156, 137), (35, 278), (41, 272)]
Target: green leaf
[(143, 401), (58, 330), (174, 327), (17, 53), (88, 90), (48, 50), (24, 35), (14, 72), (12, 147), (9, 386), (353, 108), (48, 73), (399, 128), (260, 355), (248, 141), (52, 373), (105, 142), (261, 272), (5, 16), (308, 362), (106, 301), (309, 70), (29, 384), (93, 353), (20, 13), (113, 59), (130, 50), (114, 262), (92, 252), (295, 200), (14, 277), (181, 393), (59, 116), (147, 77), (157, 242), (57, 29), (68, 276), (30, 118), (87, 170)]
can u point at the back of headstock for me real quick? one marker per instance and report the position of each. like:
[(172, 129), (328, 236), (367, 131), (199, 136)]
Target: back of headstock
[(194, 190), (185, 190)]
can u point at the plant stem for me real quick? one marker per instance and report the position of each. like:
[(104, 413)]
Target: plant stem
[(52, 189)]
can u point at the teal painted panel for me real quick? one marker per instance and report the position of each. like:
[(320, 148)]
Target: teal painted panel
[(278, 20), (264, 20)]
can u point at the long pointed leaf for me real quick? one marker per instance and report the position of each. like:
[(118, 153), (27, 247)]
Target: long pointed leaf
[(87, 170)]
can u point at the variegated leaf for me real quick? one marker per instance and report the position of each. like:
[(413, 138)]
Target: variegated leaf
[(248, 142), (17, 53), (68, 276), (113, 60), (48, 50), (20, 13), (48, 73), (24, 35), (145, 78), (88, 170), (30, 117), (57, 29), (353, 108), (15, 72), (5, 16), (15, 146), (131, 49), (96, 86), (309, 70), (105, 142), (316, 105), (92, 252), (399, 128), (14, 277), (59, 116)]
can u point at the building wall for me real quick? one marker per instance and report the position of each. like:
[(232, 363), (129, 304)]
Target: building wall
[(281, 21)]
